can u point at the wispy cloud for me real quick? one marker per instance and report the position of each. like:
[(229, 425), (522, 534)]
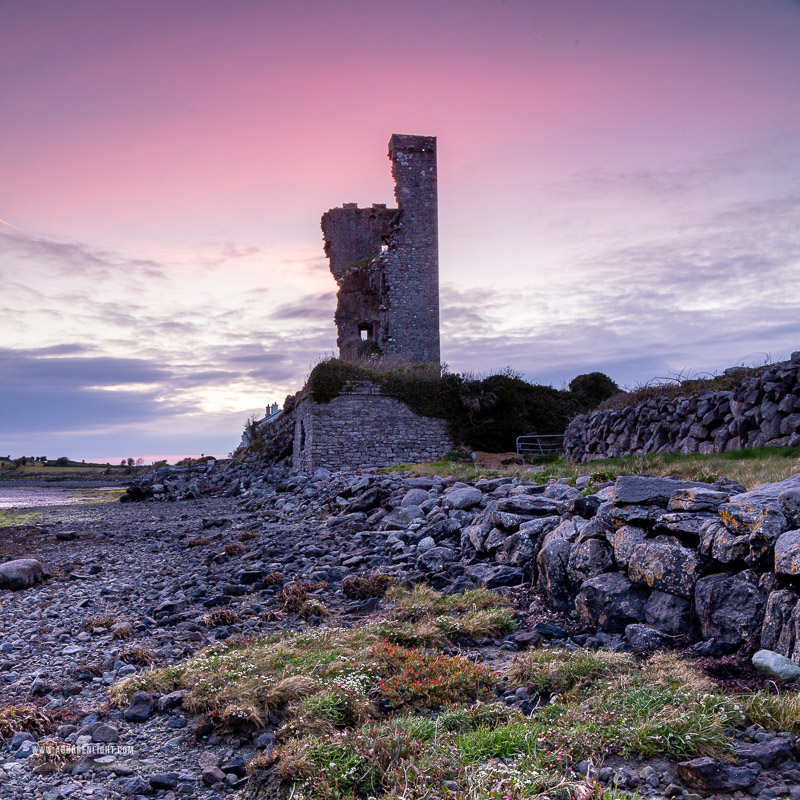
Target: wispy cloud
[(77, 257)]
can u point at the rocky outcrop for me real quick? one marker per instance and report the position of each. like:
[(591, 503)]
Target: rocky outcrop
[(763, 410)]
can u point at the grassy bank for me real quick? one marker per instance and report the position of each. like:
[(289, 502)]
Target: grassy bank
[(748, 467), (364, 712)]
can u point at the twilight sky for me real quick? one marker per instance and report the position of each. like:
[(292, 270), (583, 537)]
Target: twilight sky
[(619, 189)]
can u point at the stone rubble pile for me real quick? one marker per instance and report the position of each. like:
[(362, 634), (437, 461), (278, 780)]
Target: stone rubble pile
[(636, 564), (762, 411)]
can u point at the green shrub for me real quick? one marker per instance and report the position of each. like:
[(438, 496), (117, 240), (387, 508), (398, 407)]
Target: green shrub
[(592, 388)]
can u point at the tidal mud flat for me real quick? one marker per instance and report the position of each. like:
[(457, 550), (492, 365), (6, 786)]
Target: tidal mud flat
[(127, 586), (27, 495)]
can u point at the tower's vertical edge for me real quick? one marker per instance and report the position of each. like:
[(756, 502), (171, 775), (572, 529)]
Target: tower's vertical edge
[(412, 262)]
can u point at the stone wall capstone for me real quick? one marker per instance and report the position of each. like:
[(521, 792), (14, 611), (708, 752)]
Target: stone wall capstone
[(762, 411), (362, 428)]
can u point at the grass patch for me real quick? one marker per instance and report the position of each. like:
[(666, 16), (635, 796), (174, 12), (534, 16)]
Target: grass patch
[(555, 670), (363, 587), (779, 711), (12, 517), (317, 677), (749, 467), (661, 707), (423, 617), (366, 718)]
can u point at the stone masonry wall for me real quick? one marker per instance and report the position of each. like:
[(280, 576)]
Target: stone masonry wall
[(762, 411), (362, 429)]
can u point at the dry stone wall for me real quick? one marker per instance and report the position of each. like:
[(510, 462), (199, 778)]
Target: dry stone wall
[(363, 428), (762, 411)]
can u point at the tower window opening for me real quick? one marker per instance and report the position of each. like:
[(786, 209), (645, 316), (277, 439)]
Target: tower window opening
[(365, 332)]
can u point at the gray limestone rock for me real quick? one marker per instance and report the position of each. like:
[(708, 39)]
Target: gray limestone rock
[(140, 708), (776, 666), (436, 559), (465, 498), (623, 540), (644, 637), (709, 775), (729, 607), (553, 579), (611, 601), (789, 505), (589, 558), (20, 574), (668, 612), (641, 490), (697, 500), (415, 497), (777, 631), (787, 553), (666, 567)]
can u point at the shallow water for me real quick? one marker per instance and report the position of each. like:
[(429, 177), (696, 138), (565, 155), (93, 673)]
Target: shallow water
[(54, 495)]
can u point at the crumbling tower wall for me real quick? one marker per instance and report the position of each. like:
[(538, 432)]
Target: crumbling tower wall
[(386, 262)]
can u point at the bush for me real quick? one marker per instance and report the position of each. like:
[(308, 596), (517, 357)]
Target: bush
[(592, 389)]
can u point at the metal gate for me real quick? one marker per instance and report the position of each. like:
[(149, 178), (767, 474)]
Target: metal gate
[(535, 445)]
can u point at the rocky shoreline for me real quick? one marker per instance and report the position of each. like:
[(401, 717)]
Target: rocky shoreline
[(628, 566)]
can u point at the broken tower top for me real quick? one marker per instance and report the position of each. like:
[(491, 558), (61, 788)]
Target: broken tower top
[(386, 262)]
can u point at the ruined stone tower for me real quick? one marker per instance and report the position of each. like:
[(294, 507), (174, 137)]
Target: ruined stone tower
[(386, 262)]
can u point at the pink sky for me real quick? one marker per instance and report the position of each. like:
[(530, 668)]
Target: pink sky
[(618, 191)]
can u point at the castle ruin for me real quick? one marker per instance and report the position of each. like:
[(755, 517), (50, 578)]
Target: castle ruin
[(386, 263)]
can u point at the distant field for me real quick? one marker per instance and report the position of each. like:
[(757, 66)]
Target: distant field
[(748, 467), (74, 471)]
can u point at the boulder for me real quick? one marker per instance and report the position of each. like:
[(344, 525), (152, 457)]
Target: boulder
[(643, 637), (777, 631), (769, 753), (518, 549), (611, 601), (789, 506), (435, 560), (666, 567), (728, 547), (767, 494), (553, 579), (415, 497), (141, 707), (769, 525), (21, 573), (774, 665), (589, 558), (464, 498), (641, 490), (668, 613), (477, 535), (710, 776), (529, 504), (492, 577), (739, 518), (787, 553), (697, 500), (623, 540), (729, 608)]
